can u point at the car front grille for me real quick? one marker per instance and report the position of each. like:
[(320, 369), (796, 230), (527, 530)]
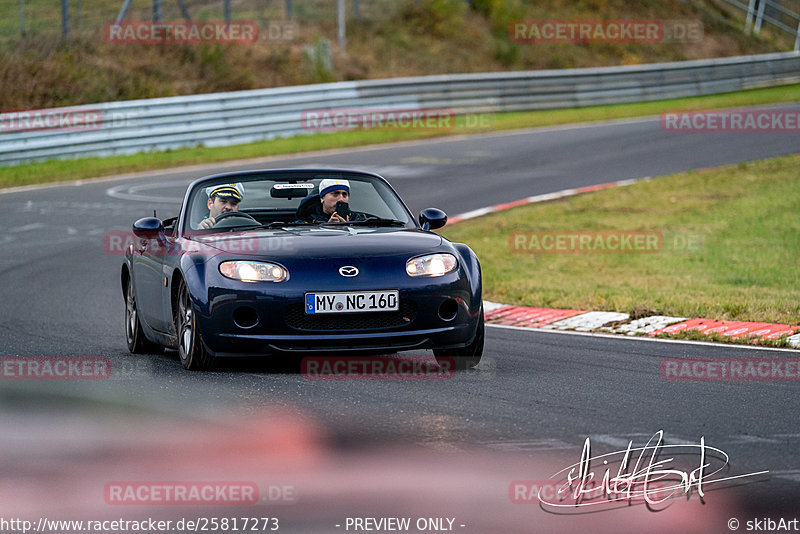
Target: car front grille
[(297, 318)]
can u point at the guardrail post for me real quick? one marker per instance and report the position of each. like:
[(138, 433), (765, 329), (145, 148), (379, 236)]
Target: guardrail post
[(760, 16), (156, 10), (227, 10), (123, 11), (184, 10), (797, 39), (342, 30), (748, 23), (65, 18), (22, 17), (289, 12)]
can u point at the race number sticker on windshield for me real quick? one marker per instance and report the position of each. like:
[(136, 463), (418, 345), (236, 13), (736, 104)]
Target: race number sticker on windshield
[(357, 301)]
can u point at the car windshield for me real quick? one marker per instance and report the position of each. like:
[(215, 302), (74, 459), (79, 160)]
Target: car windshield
[(292, 198)]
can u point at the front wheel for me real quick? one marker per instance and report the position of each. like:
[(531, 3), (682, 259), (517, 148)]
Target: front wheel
[(134, 335), (192, 352), (467, 357)]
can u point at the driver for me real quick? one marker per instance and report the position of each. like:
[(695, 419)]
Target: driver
[(222, 198), (332, 191)]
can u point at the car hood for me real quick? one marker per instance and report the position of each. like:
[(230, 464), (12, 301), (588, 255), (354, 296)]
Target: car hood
[(316, 242)]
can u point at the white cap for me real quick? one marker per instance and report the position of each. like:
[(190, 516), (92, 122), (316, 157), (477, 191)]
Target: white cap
[(327, 185)]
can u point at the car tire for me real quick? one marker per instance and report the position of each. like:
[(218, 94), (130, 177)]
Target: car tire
[(467, 357), (134, 334), (191, 351)]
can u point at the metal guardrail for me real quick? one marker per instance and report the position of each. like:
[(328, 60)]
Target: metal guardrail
[(245, 116)]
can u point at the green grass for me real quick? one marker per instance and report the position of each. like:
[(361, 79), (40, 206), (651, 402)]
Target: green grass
[(744, 266), (60, 170)]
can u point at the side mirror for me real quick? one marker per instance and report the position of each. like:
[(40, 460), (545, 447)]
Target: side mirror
[(148, 228), (432, 218)]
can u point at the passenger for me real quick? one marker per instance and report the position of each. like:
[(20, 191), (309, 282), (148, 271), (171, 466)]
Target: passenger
[(331, 192)]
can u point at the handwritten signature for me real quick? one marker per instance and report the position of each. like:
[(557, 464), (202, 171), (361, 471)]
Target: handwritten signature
[(648, 479)]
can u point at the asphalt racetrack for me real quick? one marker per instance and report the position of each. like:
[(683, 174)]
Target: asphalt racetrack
[(323, 452)]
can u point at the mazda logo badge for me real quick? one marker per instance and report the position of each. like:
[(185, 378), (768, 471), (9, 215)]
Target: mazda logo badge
[(348, 271)]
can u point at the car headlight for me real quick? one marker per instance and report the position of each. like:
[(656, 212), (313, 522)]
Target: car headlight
[(253, 271), (431, 265)]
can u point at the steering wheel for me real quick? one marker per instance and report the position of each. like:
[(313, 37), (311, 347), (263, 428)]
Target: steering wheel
[(225, 215)]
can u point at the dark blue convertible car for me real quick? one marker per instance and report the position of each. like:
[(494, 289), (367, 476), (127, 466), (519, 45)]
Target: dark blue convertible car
[(297, 262)]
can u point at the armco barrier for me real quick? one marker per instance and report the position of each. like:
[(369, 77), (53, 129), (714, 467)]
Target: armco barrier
[(244, 116)]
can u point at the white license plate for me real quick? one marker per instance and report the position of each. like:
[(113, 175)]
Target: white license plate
[(356, 301)]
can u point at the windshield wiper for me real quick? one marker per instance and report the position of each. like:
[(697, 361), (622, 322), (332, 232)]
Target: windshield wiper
[(380, 221), (374, 221), (279, 224)]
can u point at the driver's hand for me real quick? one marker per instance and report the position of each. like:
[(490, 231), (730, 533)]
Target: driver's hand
[(335, 217), (205, 224)]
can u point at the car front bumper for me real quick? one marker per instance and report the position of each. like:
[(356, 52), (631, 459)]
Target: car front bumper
[(239, 323)]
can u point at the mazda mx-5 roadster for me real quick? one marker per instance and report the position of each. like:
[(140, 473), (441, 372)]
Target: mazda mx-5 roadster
[(282, 262)]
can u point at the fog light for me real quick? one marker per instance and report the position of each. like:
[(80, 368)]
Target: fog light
[(245, 317), (448, 310)]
